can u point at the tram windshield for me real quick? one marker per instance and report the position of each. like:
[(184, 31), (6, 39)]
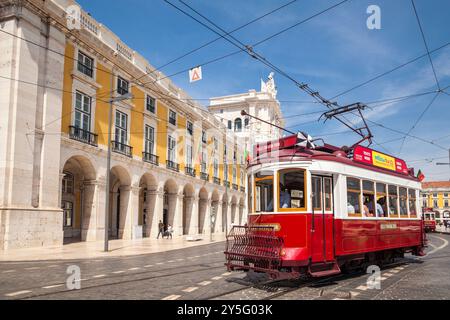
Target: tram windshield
[(429, 216), (264, 191), (292, 189)]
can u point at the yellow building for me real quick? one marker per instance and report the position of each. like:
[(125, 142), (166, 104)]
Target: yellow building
[(172, 161), (436, 195)]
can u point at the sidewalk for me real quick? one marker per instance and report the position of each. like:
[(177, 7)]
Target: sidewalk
[(441, 229), (118, 248)]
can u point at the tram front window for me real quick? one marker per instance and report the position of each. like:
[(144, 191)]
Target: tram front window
[(292, 189), (264, 192)]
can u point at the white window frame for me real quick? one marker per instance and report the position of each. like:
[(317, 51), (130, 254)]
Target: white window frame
[(76, 110), (148, 140), (171, 151), (147, 97), (170, 111), (86, 56)]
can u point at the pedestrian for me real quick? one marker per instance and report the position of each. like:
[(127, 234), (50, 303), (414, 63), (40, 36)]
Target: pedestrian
[(169, 231), (160, 229)]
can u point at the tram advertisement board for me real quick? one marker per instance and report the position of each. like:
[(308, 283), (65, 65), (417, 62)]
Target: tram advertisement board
[(378, 159)]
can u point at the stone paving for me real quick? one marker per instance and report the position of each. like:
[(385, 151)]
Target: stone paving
[(198, 273)]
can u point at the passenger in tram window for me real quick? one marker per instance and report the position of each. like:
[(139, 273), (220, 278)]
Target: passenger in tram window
[(379, 207), (352, 203), (285, 197), (366, 211)]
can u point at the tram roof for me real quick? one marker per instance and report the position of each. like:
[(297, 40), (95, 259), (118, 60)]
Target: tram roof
[(287, 149)]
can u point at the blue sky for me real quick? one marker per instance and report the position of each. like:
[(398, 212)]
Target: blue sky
[(332, 53)]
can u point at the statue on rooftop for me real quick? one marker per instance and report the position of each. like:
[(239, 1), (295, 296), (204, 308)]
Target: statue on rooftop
[(269, 86)]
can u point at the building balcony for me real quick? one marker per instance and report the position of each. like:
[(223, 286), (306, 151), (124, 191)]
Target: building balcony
[(122, 148), (204, 176), (84, 136), (190, 171), (242, 189), (172, 166), (226, 183), (216, 180), (150, 158), (235, 186)]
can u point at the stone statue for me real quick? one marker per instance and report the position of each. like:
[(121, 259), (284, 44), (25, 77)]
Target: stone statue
[(269, 86)]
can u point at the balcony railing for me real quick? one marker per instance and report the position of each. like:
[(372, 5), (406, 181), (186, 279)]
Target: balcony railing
[(235, 186), (190, 171), (216, 180), (84, 136), (122, 148), (172, 166), (226, 184), (242, 189), (151, 158), (204, 176)]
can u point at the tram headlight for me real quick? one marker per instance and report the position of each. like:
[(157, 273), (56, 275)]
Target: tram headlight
[(283, 252)]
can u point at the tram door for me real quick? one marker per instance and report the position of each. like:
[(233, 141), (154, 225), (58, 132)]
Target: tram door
[(322, 225)]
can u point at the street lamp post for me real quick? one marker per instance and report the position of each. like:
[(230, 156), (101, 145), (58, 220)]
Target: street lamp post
[(108, 164)]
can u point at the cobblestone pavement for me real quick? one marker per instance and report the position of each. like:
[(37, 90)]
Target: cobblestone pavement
[(198, 273)]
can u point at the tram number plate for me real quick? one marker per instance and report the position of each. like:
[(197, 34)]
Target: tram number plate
[(388, 226)]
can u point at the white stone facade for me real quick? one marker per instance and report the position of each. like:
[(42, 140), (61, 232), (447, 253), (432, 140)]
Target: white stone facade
[(35, 157), (262, 104)]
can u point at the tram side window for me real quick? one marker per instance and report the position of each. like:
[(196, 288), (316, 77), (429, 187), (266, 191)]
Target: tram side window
[(292, 189), (368, 198), (381, 208), (353, 196), (264, 192), (327, 193), (317, 193), (403, 202), (412, 203), (393, 204), (250, 194)]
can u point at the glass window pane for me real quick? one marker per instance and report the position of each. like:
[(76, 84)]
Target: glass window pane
[(292, 189), (381, 206), (317, 192), (353, 184), (264, 194), (353, 196), (368, 185), (327, 193)]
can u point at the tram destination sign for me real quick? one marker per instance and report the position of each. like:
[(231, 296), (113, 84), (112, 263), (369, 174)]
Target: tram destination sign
[(378, 159)]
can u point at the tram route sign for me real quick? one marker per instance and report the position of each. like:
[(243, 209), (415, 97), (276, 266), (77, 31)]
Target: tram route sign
[(378, 159)]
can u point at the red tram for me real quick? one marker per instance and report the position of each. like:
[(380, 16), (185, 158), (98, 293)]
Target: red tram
[(318, 210), (429, 220)]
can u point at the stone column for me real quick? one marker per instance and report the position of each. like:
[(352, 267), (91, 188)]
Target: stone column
[(125, 218), (112, 220), (193, 227), (178, 217), (207, 226), (156, 206), (219, 218), (89, 221), (133, 213)]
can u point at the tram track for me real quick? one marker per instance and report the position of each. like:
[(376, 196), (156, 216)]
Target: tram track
[(84, 288), (271, 285)]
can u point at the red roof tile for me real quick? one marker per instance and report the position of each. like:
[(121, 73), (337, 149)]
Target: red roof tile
[(435, 184)]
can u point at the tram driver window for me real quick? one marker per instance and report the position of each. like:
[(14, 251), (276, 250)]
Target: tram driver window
[(292, 189), (353, 197), (393, 203), (264, 192)]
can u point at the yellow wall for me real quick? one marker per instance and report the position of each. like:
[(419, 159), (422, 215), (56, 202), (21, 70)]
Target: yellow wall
[(136, 127), (102, 108), (137, 122), (161, 136)]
